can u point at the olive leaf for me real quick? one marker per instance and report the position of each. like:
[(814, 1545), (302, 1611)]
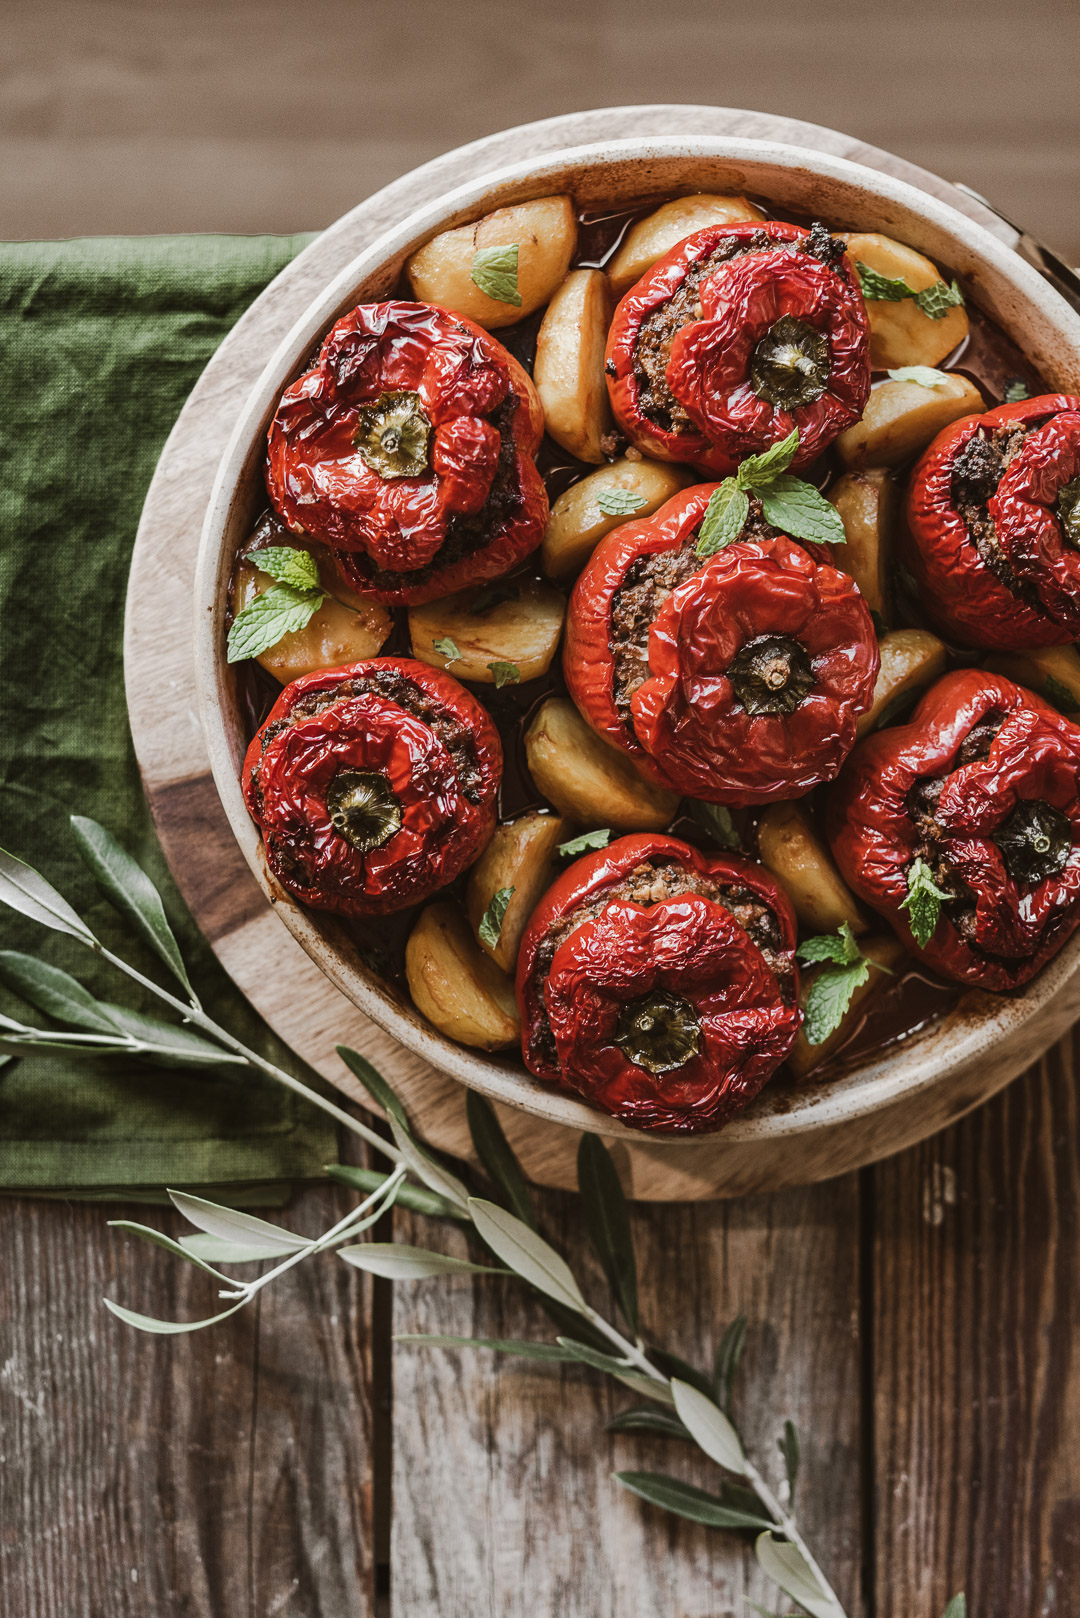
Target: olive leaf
[(126, 885), (587, 840), (178, 1249), (26, 890), (447, 648), (710, 1428), (526, 1253), (166, 1328), (497, 1157), (433, 1175), (417, 1198), (786, 1565), (957, 1607), (394, 1261), (760, 471), (724, 519), (1016, 389), (520, 1346), (54, 992), (504, 674), (800, 510), (281, 610), (608, 1222), (231, 1224), (673, 1366), (619, 502), (789, 1449), (491, 922), (726, 1364), (495, 272), (204, 1246), (621, 1370), (671, 1494), (923, 902), (716, 820), (170, 1044), (647, 1419), (376, 1086), (924, 375), (285, 565)]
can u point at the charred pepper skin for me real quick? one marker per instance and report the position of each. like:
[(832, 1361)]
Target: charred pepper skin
[(386, 448), (677, 984), (1015, 905), (697, 723), (1037, 602), (361, 802), (750, 308)]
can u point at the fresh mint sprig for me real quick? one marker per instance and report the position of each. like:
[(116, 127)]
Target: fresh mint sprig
[(844, 969), (923, 902), (287, 606), (788, 503)]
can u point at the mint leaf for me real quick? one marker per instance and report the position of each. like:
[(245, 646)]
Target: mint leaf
[(937, 299), (924, 375), (839, 947), (1016, 389), (619, 502), (505, 674), (279, 611), (881, 288), (447, 648), (490, 929), (802, 511), (725, 514), (715, 819), (829, 998), (758, 471), (495, 272), (587, 840), (923, 902), (287, 566)]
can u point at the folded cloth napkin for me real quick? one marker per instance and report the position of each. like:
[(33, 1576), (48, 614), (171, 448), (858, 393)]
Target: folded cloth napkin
[(102, 340)]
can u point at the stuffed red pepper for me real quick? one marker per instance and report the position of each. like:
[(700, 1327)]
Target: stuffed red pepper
[(737, 678), (737, 335), (374, 785), (660, 983), (963, 829), (409, 448), (994, 519)]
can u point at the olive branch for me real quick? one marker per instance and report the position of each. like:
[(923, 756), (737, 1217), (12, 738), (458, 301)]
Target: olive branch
[(684, 1403)]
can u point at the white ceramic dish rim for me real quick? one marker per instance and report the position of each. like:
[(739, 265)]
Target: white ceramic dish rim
[(982, 1021)]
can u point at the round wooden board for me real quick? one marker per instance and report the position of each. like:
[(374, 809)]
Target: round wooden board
[(264, 959)]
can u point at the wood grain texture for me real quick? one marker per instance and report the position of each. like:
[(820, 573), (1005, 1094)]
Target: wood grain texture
[(225, 1474), (976, 1366), (503, 1501)]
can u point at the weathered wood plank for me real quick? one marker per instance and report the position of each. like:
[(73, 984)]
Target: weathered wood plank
[(219, 1474), (977, 1375), (503, 1502)]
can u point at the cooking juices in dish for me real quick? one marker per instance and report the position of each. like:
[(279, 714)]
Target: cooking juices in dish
[(732, 404)]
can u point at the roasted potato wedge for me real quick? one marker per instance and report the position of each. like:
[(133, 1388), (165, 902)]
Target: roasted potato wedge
[(344, 629), (650, 238), (519, 856), (455, 985), (523, 628), (791, 849), (1051, 671), (867, 503), (569, 367), (902, 417), (586, 779), (910, 660), (888, 951), (577, 523), (900, 333), (545, 234)]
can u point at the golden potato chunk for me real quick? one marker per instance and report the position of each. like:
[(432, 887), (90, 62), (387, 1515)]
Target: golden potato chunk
[(791, 849), (888, 951), (901, 333), (867, 503), (521, 627), (650, 238), (578, 522), (586, 779), (545, 235), (520, 857), (911, 659), (346, 628), (902, 417), (1053, 672), (455, 985), (569, 367)]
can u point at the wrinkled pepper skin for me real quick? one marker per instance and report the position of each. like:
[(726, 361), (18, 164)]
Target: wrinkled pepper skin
[(709, 365), (689, 730), (469, 505), (688, 950), (1038, 601), (404, 727), (1000, 930)]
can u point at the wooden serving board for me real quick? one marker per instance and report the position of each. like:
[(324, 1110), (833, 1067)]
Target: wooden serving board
[(264, 959)]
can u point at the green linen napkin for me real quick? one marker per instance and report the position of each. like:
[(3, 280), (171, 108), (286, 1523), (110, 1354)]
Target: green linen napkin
[(102, 340)]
